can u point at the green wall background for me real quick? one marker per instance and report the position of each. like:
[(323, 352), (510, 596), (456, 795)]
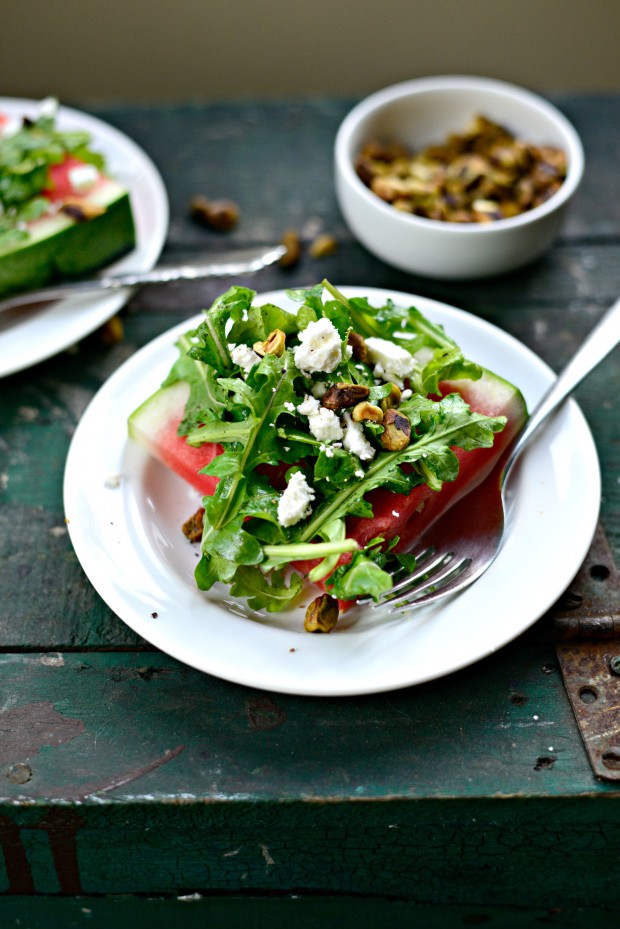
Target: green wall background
[(169, 50)]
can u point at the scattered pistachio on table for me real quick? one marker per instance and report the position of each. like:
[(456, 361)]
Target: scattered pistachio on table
[(112, 332), (323, 246), (480, 175), (292, 243), (221, 215)]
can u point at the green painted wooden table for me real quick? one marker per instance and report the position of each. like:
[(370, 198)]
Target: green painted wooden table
[(132, 787)]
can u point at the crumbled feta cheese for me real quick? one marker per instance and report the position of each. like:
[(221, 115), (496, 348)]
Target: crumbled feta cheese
[(289, 406), (355, 441), (244, 356), (83, 178), (318, 389), (48, 107), (309, 406), (295, 502), (325, 426), (406, 394), (320, 348), (392, 363), (323, 423), (359, 473), (395, 513), (329, 452)]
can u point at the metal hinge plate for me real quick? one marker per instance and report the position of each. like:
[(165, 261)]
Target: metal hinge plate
[(587, 624)]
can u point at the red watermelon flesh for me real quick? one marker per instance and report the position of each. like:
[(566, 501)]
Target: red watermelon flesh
[(60, 186), (154, 426), (410, 515)]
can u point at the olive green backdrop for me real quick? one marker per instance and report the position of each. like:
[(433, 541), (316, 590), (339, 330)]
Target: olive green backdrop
[(144, 50)]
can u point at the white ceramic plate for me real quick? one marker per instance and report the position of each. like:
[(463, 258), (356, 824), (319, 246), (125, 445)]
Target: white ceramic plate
[(124, 512), (40, 333)]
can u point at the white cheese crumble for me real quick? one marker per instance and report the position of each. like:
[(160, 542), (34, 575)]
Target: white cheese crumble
[(355, 441), (392, 363), (83, 178), (244, 356), (289, 406), (318, 389), (48, 107), (295, 502), (325, 426), (323, 423), (406, 394), (309, 406), (320, 348)]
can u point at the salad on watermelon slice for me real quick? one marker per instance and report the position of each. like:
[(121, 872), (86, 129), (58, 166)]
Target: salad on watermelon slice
[(61, 214), (323, 442)]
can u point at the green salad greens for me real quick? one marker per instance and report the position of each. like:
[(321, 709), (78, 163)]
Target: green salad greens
[(25, 159), (269, 385)]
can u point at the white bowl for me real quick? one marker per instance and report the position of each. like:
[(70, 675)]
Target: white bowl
[(420, 112)]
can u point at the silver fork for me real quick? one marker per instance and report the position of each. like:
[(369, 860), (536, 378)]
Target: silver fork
[(449, 557)]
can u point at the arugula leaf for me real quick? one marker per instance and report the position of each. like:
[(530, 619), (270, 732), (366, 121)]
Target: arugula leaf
[(362, 578), (206, 399), (234, 544), (212, 346), (27, 155), (407, 326), (441, 424), (262, 593), (260, 321), (447, 364)]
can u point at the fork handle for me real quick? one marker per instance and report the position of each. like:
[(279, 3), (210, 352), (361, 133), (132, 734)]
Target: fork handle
[(598, 344)]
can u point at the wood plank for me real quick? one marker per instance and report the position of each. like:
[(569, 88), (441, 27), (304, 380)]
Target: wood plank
[(257, 153), (195, 911), (92, 726)]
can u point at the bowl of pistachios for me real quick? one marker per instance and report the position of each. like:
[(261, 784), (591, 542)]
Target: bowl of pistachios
[(456, 177)]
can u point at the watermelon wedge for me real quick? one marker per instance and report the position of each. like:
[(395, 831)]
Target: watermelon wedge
[(153, 425), (61, 215), (331, 450)]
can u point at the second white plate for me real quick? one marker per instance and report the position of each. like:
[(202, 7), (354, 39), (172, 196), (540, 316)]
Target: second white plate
[(41, 333), (124, 514)]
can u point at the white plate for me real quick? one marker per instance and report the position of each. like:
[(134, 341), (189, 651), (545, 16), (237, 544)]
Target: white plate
[(129, 541), (43, 332)]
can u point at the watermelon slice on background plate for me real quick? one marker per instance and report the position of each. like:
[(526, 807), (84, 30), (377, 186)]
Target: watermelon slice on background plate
[(30, 336)]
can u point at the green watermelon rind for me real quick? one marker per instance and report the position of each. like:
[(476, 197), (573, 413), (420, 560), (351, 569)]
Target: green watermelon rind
[(71, 249)]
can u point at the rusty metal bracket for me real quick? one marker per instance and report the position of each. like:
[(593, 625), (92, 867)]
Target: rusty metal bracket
[(587, 626)]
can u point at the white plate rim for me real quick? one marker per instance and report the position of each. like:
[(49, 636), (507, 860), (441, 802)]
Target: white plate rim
[(52, 329), (256, 655)]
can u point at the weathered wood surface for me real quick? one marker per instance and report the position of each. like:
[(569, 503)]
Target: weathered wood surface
[(170, 782)]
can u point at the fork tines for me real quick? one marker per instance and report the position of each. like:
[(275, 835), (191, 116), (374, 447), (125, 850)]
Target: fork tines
[(433, 573)]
